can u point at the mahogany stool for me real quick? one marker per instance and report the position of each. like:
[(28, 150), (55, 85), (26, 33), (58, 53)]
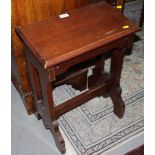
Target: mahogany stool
[(60, 49)]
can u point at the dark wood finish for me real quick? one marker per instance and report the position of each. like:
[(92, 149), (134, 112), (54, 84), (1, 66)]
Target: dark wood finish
[(25, 12), (78, 80), (97, 72), (55, 50), (16, 79), (115, 73), (60, 51), (86, 96)]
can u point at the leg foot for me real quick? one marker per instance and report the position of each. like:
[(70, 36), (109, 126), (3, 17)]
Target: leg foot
[(58, 137), (119, 106)]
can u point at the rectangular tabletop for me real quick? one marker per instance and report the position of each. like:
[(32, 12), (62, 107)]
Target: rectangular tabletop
[(55, 40)]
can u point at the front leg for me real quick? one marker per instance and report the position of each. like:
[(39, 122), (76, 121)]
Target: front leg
[(115, 91), (49, 119), (58, 137)]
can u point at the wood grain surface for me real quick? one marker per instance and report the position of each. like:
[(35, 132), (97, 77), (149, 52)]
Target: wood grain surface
[(25, 12), (55, 40)]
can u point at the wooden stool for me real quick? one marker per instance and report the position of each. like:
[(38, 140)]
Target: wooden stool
[(60, 50), (32, 11)]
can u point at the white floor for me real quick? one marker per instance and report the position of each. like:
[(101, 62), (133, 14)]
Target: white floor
[(29, 137)]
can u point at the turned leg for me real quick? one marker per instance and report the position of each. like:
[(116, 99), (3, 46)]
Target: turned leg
[(50, 121), (115, 74)]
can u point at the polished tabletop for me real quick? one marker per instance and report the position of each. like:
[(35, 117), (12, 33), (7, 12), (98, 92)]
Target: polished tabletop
[(57, 39)]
